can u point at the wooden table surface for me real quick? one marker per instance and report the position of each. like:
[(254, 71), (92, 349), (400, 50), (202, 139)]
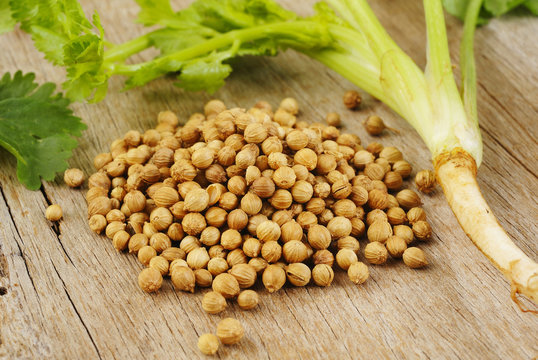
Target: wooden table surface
[(67, 294)]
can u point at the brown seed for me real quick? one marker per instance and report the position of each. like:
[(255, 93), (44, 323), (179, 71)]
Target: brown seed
[(391, 154), (161, 218), (230, 331), (203, 278), (193, 223), (295, 251), (425, 181), (379, 231), (358, 272), (345, 257), (271, 251), (264, 187), (348, 242), (198, 258), (333, 119), (268, 231), (376, 253), (244, 274), (319, 237), (145, 254), (284, 177), (120, 240), (251, 204), (298, 274), (54, 212), (393, 180), (322, 274), (273, 278), (150, 280), (396, 216), (422, 230), (416, 214), (226, 285), (404, 232), (352, 99), (408, 199), (159, 263), (414, 258), (306, 157), (403, 168), (339, 226), (74, 177), (97, 223), (396, 246), (297, 140), (281, 199), (248, 299), (217, 266), (255, 133), (323, 257), (196, 200), (183, 278)]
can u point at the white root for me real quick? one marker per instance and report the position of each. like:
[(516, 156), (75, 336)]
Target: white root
[(456, 173)]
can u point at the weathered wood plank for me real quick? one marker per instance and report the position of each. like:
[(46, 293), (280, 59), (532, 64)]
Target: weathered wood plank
[(69, 294)]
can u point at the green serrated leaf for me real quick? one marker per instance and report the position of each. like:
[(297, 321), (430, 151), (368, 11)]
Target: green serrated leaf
[(7, 23), (36, 127)]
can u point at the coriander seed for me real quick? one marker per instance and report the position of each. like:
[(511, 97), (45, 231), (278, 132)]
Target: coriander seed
[(244, 274), (298, 274), (376, 253), (226, 285), (358, 272), (396, 246), (183, 278), (208, 344), (273, 278), (322, 274), (248, 299), (414, 258), (54, 212), (150, 280), (345, 257), (74, 177), (230, 331), (425, 181), (422, 230)]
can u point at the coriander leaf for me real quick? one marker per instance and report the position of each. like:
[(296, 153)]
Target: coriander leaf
[(36, 127), (62, 32), (500, 7), (7, 23), (532, 5)]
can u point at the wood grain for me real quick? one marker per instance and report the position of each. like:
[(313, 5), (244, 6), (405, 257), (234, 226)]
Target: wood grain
[(66, 293)]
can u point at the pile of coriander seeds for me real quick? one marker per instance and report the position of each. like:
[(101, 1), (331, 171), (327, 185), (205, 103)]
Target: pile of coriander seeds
[(237, 195)]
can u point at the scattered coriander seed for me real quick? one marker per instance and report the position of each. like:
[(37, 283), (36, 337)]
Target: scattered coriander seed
[(408, 199), (333, 119), (358, 272), (322, 274), (183, 278), (226, 285), (376, 253), (422, 230), (374, 125), (416, 214), (213, 302), (414, 258), (273, 278), (74, 177), (298, 274), (159, 263), (352, 99), (425, 181), (208, 344), (230, 331), (145, 254), (379, 231), (244, 274), (54, 212), (323, 257), (294, 251), (404, 232), (150, 280), (396, 246), (345, 257), (248, 299)]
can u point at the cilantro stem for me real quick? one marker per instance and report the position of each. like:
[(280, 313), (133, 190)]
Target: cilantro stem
[(123, 51), (467, 61)]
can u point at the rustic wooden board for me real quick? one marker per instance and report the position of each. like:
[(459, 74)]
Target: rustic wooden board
[(66, 293)]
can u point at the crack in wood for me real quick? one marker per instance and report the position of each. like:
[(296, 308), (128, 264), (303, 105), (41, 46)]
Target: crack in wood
[(55, 226), (19, 240), (76, 311)]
